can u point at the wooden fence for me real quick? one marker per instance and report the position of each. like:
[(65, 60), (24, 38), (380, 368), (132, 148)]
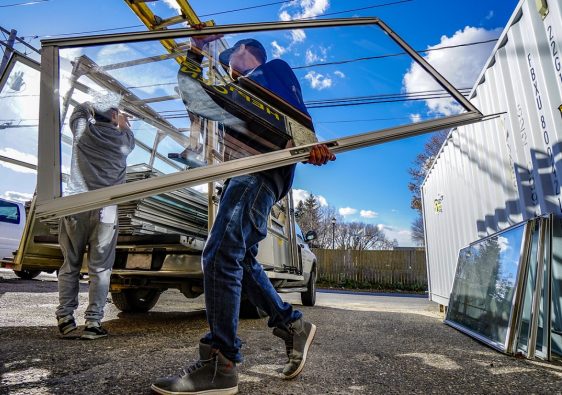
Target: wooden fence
[(396, 269)]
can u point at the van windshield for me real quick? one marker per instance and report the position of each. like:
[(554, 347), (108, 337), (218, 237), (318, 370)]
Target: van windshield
[(9, 212)]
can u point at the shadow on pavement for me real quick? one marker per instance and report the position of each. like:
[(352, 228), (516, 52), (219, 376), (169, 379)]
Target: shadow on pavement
[(354, 352), (33, 286)]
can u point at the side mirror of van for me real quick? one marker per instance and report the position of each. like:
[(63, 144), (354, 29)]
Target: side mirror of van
[(310, 235)]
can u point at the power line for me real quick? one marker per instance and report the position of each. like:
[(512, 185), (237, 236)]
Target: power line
[(244, 9), (215, 13), (349, 60), (354, 101), (84, 32), (28, 3), (362, 120), (391, 55)]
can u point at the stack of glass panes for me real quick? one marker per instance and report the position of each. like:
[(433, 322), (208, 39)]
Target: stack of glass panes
[(179, 212), (503, 291)]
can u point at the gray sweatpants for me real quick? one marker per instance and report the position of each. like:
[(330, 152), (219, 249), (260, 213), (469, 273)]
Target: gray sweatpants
[(99, 233)]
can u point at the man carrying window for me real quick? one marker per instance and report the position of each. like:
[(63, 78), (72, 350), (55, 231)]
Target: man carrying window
[(229, 257)]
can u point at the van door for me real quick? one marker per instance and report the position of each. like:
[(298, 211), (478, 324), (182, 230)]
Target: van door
[(11, 227)]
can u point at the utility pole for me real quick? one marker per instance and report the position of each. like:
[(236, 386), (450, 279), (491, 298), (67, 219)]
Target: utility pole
[(8, 50)]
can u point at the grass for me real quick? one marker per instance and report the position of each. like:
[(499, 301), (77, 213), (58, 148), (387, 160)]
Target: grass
[(352, 285)]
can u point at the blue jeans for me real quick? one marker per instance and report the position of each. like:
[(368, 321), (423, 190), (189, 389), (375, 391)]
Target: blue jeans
[(230, 265)]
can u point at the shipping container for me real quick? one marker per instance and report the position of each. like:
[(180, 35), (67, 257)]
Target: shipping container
[(491, 175)]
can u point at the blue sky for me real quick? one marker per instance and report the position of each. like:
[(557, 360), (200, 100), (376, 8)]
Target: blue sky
[(368, 185)]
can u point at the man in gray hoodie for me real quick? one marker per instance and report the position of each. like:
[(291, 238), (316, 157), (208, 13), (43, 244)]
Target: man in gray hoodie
[(102, 141)]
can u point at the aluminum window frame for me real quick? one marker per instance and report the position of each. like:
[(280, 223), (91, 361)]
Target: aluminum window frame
[(543, 261), (512, 322), (50, 204)]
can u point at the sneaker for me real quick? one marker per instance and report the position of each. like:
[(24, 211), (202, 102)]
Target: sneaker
[(212, 374), (66, 324), (93, 331), (297, 342)]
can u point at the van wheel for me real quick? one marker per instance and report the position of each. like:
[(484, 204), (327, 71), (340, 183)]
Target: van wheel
[(135, 300), (249, 311), (308, 298), (27, 274)]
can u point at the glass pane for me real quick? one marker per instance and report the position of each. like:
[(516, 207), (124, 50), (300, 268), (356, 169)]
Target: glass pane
[(245, 94), (484, 287), (543, 322), (19, 117), (556, 288), (529, 284)]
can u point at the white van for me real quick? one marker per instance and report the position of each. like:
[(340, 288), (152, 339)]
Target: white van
[(12, 222)]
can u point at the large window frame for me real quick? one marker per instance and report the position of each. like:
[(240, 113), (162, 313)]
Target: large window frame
[(50, 204)]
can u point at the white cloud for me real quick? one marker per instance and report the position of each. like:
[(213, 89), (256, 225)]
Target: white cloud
[(503, 242), (305, 8), (322, 200), (318, 81), (18, 155), (173, 4), (490, 15), (278, 50), (461, 66), (368, 214), (284, 16), (17, 196), (310, 57), (298, 35), (345, 211), (301, 9), (71, 53), (112, 50), (300, 195), (415, 117), (313, 56), (339, 74), (403, 236)]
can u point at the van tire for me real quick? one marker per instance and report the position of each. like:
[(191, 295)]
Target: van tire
[(135, 300), (27, 274), (308, 298)]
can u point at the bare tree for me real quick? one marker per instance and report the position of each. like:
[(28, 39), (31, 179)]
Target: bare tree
[(422, 164), (332, 230), (418, 231), (418, 171)]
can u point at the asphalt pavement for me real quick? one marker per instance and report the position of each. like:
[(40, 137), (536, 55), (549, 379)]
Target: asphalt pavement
[(365, 344)]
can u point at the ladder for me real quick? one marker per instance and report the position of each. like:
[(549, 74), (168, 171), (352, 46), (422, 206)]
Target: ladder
[(198, 126), (154, 22)]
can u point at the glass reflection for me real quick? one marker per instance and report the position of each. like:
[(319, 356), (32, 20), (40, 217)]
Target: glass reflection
[(19, 113), (212, 104), (485, 282)]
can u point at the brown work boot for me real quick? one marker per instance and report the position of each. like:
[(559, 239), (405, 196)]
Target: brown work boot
[(211, 374), (297, 342)]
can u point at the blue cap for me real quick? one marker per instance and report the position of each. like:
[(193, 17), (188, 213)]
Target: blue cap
[(225, 55)]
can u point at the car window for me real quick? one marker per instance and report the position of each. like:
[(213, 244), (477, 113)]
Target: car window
[(9, 212), (298, 231)]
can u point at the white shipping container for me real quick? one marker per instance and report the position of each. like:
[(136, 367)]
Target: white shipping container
[(491, 175)]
